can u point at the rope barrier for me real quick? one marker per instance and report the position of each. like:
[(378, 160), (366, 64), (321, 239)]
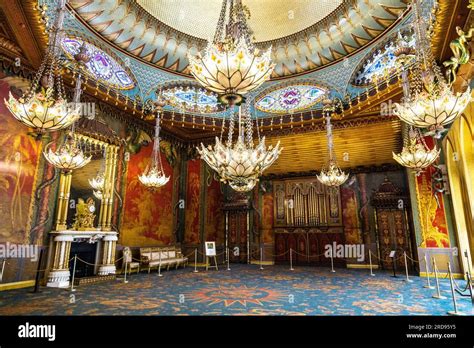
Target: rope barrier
[(408, 257), (87, 263)]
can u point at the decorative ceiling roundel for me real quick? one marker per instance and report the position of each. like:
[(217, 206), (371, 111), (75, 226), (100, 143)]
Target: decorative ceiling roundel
[(291, 98)]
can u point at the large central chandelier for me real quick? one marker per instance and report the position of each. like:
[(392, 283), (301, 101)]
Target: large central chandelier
[(331, 175), (240, 163), (428, 100), (416, 154), (231, 65), (154, 176), (44, 106)]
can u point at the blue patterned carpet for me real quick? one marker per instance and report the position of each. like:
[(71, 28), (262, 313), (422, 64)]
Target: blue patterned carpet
[(245, 290)]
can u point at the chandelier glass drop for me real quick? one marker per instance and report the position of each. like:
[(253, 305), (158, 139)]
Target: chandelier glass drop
[(154, 176), (69, 155), (240, 163), (416, 154), (44, 106), (331, 175), (428, 99), (231, 65)]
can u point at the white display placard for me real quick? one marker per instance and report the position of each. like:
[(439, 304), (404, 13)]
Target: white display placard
[(392, 253), (210, 248)]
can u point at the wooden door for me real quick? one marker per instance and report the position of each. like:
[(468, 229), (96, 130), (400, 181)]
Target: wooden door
[(392, 236), (238, 236)]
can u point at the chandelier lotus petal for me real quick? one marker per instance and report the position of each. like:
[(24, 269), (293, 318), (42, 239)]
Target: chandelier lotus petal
[(98, 182), (44, 107), (68, 156), (154, 176), (231, 65), (243, 185), (98, 194), (428, 100), (416, 155), (241, 163)]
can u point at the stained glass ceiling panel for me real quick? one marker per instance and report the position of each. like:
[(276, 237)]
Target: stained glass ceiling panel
[(101, 66), (290, 99)]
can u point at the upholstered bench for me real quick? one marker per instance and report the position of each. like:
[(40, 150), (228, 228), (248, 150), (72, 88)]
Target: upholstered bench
[(162, 256)]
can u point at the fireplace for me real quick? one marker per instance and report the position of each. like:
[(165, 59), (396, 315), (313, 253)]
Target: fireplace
[(87, 252)]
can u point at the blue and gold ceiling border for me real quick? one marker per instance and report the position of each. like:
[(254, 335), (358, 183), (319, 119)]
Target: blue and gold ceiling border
[(129, 28)]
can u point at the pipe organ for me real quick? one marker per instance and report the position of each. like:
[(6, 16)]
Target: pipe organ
[(307, 216)]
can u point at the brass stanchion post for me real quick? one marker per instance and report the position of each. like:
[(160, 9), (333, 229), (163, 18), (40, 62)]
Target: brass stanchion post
[(370, 262), (195, 261), (453, 294), (73, 273), (291, 260), (438, 292), (428, 285), (407, 279)]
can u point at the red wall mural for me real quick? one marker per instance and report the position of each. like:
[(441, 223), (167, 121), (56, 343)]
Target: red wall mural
[(148, 216), (267, 217), (431, 213), (214, 227), (191, 234), (19, 157), (350, 216)]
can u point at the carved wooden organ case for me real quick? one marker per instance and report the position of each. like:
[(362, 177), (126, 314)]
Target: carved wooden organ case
[(307, 216)]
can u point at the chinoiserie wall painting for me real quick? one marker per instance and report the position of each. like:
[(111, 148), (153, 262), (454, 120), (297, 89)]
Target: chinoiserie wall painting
[(147, 215)]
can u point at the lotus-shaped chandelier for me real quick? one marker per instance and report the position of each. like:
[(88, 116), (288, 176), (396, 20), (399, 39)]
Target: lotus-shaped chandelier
[(154, 176), (68, 156), (98, 182), (331, 175), (428, 100), (240, 163), (44, 107), (416, 154), (231, 65)]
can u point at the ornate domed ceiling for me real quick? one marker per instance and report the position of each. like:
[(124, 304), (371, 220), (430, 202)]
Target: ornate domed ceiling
[(305, 34), (270, 19)]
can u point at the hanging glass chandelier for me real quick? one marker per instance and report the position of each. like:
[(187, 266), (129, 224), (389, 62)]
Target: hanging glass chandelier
[(154, 176), (98, 182), (69, 155), (415, 153), (428, 100), (231, 64), (331, 175), (240, 163), (44, 106)]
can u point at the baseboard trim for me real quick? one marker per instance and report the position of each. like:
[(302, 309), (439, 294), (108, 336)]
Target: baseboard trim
[(268, 263), (17, 285), (442, 275)]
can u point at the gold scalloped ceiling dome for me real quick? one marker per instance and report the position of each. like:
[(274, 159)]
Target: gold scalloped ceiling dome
[(305, 35), (270, 19)]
